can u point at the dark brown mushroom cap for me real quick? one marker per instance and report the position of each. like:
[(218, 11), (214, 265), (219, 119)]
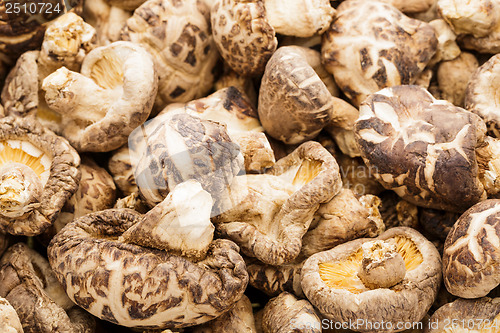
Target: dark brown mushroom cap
[(276, 237), (273, 280), (481, 94), (62, 181), (471, 262), (135, 286), (464, 315), (286, 313), (438, 223), (372, 45), (243, 35), (294, 103), (422, 148), (407, 301), (29, 284)]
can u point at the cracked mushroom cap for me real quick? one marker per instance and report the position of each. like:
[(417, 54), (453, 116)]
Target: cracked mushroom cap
[(471, 266), (481, 95), (294, 103), (38, 174), (178, 35), (371, 45), (464, 315), (111, 97), (275, 210), (156, 289), (345, 282), (422, 148), (29, 284), (286, 313), (9, 320), (243, 35)]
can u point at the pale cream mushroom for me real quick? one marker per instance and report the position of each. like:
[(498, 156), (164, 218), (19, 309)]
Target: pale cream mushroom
[(447, 48), (9, 320), (106, 18), (412, 6), (121, 168), (453, 77), (122, 81)]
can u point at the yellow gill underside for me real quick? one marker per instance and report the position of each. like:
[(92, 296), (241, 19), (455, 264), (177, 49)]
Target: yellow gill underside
[(26, 153), (344, 274), (107, 72)]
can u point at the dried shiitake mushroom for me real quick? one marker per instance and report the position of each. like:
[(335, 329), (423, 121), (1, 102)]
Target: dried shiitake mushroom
[(129, 5), (156, 288), (274, 210), (238, 319), (286, 313), (471, 267), (392, 278), (107, 19), (453, 77), (434, 156), (177, 34), (29, 284), (38, 174), (481, 94), (412, 6), (243, 35), (397, 212), (9, 320), (447, 48), (371, 45), (230, 78), (120, 167), (122, 81), (464, 315), (437, 223)]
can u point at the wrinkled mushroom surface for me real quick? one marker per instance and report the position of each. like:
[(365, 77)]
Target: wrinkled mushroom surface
[(38, 174), (9, 320), (332, 282), (471, 265), (121, 169), (157, 289)]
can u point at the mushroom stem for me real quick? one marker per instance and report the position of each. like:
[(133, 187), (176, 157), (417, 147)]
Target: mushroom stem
[(488, 160), (20, 190), (382, 266)]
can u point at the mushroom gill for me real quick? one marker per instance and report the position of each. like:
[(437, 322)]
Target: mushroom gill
[(303, 173), (107, 72)]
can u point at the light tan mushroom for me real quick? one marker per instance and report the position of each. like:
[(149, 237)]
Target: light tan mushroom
[(177, 34), (9, 320), (243, 35), (122, 81), (299, 18), (471, 267), (230, 78), (414, 6), (436, 156), (467, 316), (286, 313), (429, 15), (129, 5), (238, 319), (132, 201), (346, 282), (371, 45), (474, 17), (274, 210), (453, 77), (107, 19), (30, 286), (38, 174), (488, 44), (120, 167), (157, 289), (447, 48)]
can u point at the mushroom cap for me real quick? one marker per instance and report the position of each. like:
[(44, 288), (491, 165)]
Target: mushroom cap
[(177, 34), (9, 320), (371, 45), (275, 210), (108, 20), (487, 44), (422, 148), (471, 264), (294, 103), (474, 315), (412, 6), (29, 284), (156, 289), (330, 282), (120, 167), (129, 5), (481, 94), (123, 78), (243, 35), (51, 157), (437, 223)]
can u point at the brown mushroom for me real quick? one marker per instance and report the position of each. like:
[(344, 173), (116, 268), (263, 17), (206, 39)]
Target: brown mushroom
[(286, 313), (463, 315), (230, 78), (156, 289), (422, 154), (38, 174), (346, 282), (238, 319), (108, 19), (437, 223), (371, 45), (471, 267), (243, 35), (123, 82), (397, 212), (29, 284), (129, 5), (453, 77), (274, 210), (120, 167), (9, 320), (177, 34)]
